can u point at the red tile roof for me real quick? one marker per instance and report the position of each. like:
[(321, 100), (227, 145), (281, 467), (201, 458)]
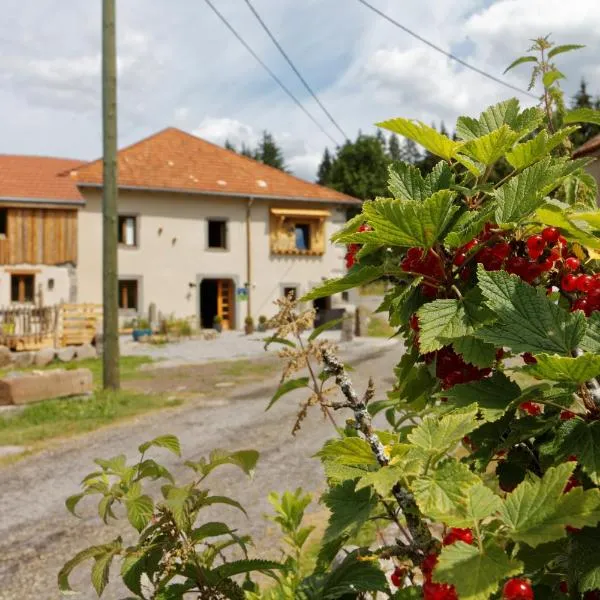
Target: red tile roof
[(591, 146), (178, 161), (37, 178)]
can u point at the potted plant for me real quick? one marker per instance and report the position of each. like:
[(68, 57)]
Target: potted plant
[(249, 325), (141, 329), (218, 323), (262, 323)]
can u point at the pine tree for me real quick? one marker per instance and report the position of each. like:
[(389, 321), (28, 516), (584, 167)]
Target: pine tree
[(410, 152), (246, 151), (381, 139), (229, 146), (582, 99), (394, 150), (324, 171), (269, 153)]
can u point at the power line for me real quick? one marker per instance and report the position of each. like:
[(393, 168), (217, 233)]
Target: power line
[(289, 61), (279, 82), (448, 54)]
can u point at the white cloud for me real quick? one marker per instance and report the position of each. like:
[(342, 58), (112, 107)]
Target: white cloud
[(218, 130)]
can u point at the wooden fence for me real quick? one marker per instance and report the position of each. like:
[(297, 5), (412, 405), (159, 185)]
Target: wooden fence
[(34, 327)]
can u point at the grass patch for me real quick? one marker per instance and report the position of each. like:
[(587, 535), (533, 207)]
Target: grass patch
[(64, 417), (129, 366), (245, 367), (379, 327)]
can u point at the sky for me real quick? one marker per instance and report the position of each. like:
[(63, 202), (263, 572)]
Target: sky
[(178, 65)]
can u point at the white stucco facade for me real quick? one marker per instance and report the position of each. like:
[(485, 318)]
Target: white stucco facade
[(55, 283), (172, 257)]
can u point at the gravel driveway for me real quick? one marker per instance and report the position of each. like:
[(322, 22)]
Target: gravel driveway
[(37, 535)]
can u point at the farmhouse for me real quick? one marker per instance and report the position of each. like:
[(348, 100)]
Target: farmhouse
[(204, 231)]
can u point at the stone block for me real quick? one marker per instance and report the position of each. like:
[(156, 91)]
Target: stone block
[(44, 357), (45, 385), (22, 360), (6, 357), (66, 354), (85, 352)]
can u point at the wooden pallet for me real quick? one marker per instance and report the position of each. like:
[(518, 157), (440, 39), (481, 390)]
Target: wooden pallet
[(78, 323)]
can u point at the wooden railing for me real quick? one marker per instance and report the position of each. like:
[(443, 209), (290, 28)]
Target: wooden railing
[(35, 327)]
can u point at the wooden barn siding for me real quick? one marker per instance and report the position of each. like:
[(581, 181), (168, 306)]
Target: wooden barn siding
[(40, 236)]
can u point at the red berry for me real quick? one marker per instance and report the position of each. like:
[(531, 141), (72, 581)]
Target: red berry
[(584, 283), (551, 235), (530, 408), (572, 263), (517, 589), (529, 359), (562, 241), (592, 595), (569, 283), (582, 304), (428, 565), (500, 354), (460, 258), (508, 487), (396, 579), (438, 591), (414, 322), (470, 245), (501, 250), (563, 587), (572, 458), (457, 534), (572, 529), (365, 227), (573, 482), (566, 415), (535, 245)]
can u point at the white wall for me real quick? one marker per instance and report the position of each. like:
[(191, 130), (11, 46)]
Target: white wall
[(172, 252), (61, 286)]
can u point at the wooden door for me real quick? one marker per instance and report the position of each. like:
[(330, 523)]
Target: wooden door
[(225, 302)]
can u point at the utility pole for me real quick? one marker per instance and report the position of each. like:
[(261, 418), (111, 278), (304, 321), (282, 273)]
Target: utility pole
[(110, 357)]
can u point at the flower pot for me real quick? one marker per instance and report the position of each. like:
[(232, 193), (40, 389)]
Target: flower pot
[(138, 333), (218, 327)]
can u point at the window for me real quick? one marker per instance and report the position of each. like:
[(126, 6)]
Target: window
[(217, 234), (302, 232), (3, 222), (128, 231), (128, 294), (22, 287), (291, 290)]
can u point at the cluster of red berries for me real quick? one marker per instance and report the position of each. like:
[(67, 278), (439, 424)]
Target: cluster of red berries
[(451, 368), (398, 576), (428, 264), (431, 590), (352, 249), (587, 287), (517, 589)]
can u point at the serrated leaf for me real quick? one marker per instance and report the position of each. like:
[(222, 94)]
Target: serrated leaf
[(443, 321), (337, 473), (410, 223), (538, 511), (237, 567), (210, 500), (558, 215), (169, 442), (351, 451), (132, 569), (564, 48), (583, 441), (277, 340), (354, 576), (324, 327), (591, 339), (350, 226), (358, 275), (520, 61), (401, 302), (475, 351), (139, 509), (489, 148), (406, 182), (437, 435), (101, 571), (550, 77), (492, 118), (243, 459), (72, 501), (210, 529), (527, 320), (382, 480), (493, 395), (349, 508), (437, 143), (286, 387), (116, 465), (469, 225), (584, 570), (565, 368), (582, 115), (525, 154), (475, 574)]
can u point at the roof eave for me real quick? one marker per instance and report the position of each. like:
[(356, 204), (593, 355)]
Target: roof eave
[(44, 201), (350, 201)]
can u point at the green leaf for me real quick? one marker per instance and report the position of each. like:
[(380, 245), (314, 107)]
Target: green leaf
[(210, 529), (139, 507), (407, 183), (351, 451), (583, 441), (325, 327), (101, 570), (582, 115), (151, 469), (349, 508), (353, 576), (522, 194), (410, 223), (493, 395), (551, 76), (210, 500), (238, 567), (584, 571), (437, 435), (490, 147), (422, 134), (278, 340), (337, 473), (591, 339), (565, 368), (475, 574), (525, 154), (169, 442), (243, 459), (475, 351), (564, 48), (469, 225), (382, 480), (72, 501), (538, 511), (520, 61), (491, 119), (177, 500), (401, 302), (527, 320), (287, 386), (442, 321), (558, 215), (116, 465), (358, 275)]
